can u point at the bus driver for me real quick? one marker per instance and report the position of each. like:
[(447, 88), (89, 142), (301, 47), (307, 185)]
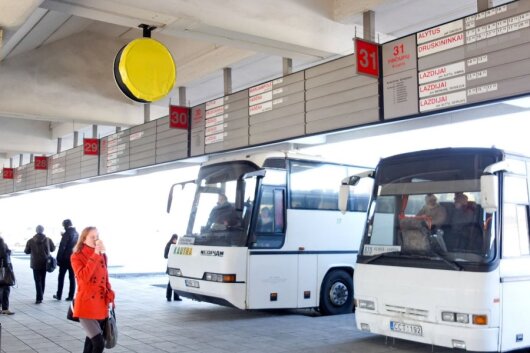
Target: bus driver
[(223, 215)]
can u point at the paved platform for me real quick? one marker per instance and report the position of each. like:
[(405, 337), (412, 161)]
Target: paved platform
[(149, 324)]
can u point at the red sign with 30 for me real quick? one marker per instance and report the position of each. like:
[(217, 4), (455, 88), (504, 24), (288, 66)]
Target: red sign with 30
[(179, 117)]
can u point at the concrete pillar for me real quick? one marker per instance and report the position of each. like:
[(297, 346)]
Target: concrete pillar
[(11, 162), (483, 5), (20, 159), (227, 80), (369, 25), (147, 112), (287, 66), (118, 129), (94, 131), (59, 142), (31, 158), (182, 96), (76, 138)]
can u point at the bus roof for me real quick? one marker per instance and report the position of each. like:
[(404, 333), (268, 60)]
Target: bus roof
[(259, 158)]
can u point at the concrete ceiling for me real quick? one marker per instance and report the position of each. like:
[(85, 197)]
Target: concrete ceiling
[(56, 56)]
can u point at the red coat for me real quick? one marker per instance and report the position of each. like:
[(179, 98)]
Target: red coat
[(94, 293)]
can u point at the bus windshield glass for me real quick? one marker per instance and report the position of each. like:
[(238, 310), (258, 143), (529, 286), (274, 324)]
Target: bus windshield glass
[(430, 210), (222, 207)]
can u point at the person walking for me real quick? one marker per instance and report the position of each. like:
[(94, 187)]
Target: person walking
[(94, 294), (68, 241), (4, 288), (176, 297), (39, 247)]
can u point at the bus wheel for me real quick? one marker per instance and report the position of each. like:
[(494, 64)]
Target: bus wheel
[(336, 294)]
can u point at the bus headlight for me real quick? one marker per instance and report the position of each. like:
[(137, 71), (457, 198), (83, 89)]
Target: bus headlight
[(174, 272), (366, 304), (462, 318), (455, 317), (218, 277)]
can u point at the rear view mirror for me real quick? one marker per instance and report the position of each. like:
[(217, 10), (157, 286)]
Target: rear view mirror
[(344, 194), (489, 198)]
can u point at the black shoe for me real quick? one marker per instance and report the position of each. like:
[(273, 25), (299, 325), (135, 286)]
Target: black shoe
[(56, 297), (69, 299), (177, 299), (168, 299), (38, 301)]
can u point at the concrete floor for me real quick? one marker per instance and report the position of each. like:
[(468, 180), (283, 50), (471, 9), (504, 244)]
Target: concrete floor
[(148, 323)]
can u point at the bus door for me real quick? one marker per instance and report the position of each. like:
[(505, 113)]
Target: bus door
[(515, 265), (272, 273)]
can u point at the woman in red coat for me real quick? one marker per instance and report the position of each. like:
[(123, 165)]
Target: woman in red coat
[(94, 293)]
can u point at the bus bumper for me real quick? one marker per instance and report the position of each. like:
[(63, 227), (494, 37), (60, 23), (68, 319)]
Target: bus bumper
[(228, 294), (468, 338)]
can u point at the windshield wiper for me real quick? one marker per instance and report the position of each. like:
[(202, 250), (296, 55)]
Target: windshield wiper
[(453, 264)]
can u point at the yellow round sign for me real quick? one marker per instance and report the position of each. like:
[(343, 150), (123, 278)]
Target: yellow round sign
[(144, 70)]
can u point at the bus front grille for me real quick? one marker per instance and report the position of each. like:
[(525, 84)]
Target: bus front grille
[(407, 312)]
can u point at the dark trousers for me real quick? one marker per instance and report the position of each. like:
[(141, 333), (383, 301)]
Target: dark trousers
[(170, 290), (71, 278), (40, 281), (4, 296)]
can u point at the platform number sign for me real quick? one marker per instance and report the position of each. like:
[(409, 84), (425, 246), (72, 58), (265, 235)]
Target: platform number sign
[(8, 173), (367, 57), (179, 117), (41, 163), (91, 147)]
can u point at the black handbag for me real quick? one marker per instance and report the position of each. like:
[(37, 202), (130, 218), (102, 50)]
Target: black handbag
[(7, 276), (110, 332), (70, 314), (51, 262)]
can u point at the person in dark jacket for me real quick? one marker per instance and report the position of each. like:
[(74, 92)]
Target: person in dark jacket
[(223, 215), (176, 297), (5, 289), (39, 247), (68, 241)]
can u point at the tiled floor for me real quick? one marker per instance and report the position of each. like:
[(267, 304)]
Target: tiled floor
[(149, 324)]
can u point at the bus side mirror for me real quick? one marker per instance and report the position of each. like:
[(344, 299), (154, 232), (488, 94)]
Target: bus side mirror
[(489, 187), (344, 194)]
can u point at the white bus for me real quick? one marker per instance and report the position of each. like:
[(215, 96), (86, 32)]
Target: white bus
[(457, 272), (303, 258)]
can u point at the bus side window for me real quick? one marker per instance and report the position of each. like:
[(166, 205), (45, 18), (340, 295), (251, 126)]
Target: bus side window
[(516, 231), (270, 222)]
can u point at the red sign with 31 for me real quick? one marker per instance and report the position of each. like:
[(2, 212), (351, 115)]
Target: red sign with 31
[(367, 57), (91, 147)]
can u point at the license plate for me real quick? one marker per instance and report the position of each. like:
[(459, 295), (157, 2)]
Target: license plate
[(192, 283), (415, 330)]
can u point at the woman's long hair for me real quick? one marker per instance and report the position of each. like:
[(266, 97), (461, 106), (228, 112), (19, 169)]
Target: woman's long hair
[(81, 240)]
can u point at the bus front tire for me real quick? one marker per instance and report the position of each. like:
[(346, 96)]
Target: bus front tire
[(336, 294)]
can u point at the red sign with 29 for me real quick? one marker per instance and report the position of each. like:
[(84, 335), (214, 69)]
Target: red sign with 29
[(8, 173), (41, 163), (91, 147), (179, 117)]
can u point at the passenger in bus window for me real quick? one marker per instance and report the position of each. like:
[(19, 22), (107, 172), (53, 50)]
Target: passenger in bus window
[(265, 221), (464, 211), (222, 215), (465, 229), (433, 210)]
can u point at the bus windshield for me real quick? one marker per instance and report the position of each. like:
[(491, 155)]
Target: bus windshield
[(222, 208), (430, 211)]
